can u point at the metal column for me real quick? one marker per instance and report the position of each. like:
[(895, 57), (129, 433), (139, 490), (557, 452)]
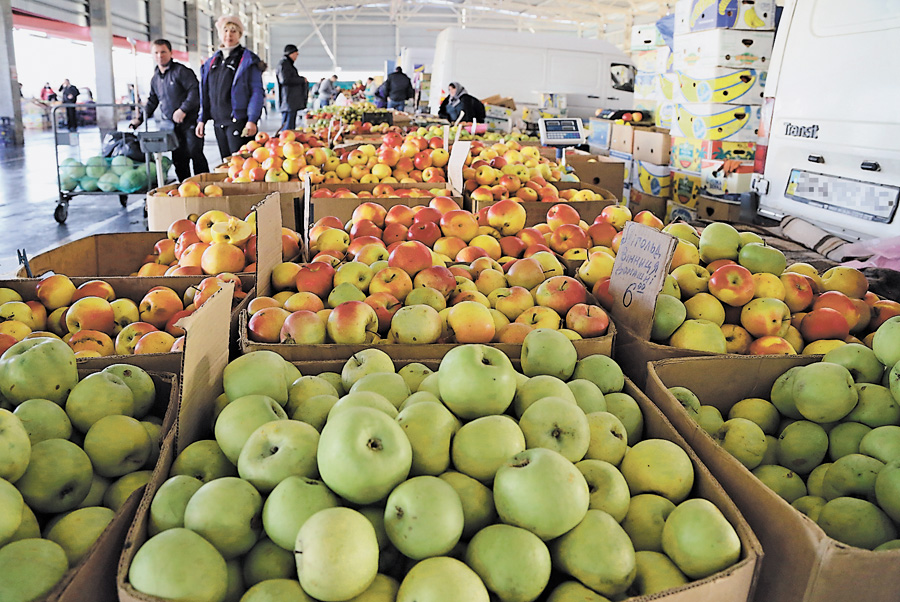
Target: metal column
[(156, 17), (192, 24), (9, 79), (102, 37)]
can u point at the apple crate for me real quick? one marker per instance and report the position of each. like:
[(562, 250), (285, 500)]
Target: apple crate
[(120, 254), (536, 211), (342, 208), (802, 564), (237, 199), (735, 584)]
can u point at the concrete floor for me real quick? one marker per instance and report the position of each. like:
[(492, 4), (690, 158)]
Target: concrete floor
[(29, 195)]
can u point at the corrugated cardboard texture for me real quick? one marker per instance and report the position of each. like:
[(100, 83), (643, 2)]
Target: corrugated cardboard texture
[(599, 171), (802, 564), (98, 255), (651, 146), (718, 210), (238, 200)]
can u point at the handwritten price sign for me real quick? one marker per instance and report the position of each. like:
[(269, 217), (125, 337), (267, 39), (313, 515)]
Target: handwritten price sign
[(639, 274)]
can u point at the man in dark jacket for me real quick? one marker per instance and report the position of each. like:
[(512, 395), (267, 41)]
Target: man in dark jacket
[(174, 89), (399, 89), (70, 96), (292, 89)]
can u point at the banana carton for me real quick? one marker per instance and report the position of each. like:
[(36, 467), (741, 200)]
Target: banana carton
[(666, 83), (701, 15), (688, 153), (645, 84), (651, 179), (628, 159), (720, 85), (665, 113), (686, 188), (726, 178), (601, 130), (646, 37), (716, 121), (646, 60), (677, 211), (723, 48)]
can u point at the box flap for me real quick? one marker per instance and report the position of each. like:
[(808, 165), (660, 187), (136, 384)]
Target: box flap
[(458, 155), (268, 241)]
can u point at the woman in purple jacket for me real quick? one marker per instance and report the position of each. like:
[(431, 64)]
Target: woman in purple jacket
[(231, 90)]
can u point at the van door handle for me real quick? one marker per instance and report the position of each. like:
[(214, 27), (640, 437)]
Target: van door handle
[(612, 98), (816, 159), (870, 166)]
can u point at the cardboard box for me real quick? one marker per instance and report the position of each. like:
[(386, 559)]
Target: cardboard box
[(686, 188), (665, 87), (678, 212), (601, 132), (718, 210), (688, 153), (721, 178), (714, 121), (700, 15), (646, 37), (652, 146), (720, 85), (724, 48), (604, 172), (342, 208), (645, 85), (500, 101), (622, 138), (665, 114), (802, 564), (237, 200), (497, 112), (628, 160), (646, 60), (639, 201), (536, 211), (651, 178), (97, 255)]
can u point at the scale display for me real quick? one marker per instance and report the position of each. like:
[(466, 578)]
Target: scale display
[(561, 132)]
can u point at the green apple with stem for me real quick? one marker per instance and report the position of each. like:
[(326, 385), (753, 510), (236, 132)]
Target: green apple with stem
[(367, 361), (290, 504), (480, 381), (240, 418), (557, 424), (277, 450), (226, 512), (482, 446)]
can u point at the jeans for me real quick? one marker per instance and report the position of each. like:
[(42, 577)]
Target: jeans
[(228, 135), (288, 120), (190, 149), (398, 105)]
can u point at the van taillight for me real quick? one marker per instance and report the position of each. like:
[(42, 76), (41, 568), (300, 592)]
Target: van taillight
[(762, 143)]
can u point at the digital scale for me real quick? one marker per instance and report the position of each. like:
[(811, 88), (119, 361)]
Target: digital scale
[(561, 132)]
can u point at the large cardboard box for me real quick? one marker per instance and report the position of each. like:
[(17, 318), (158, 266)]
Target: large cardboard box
[(716, 121), (701, 15), (536, 211), (645, 85), (652, 146), (688, 153), (720, 85), (646, 37), (724, 48), (725, 178), (801, 564), (237, 200), (96, 255), (677, 212), (665, 87), (651, 178), (686, 188), (628, 160), (718, 210), (665, 111), (622, 139), (646, 60), (640, 201), (604, 172)]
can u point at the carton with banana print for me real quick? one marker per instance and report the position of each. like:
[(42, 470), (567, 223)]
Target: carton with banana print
[(700, 15), (720, 85), (716, 121)]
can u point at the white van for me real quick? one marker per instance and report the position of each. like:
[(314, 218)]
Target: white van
[(591, 73), (833, 155)]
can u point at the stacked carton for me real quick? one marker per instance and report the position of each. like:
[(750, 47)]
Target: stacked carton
[(651, 57), (721, 53)]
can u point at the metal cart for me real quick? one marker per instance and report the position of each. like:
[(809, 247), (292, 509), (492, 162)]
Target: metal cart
[(72, 139)]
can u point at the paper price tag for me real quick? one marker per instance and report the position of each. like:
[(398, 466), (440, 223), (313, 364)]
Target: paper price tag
[(455, 165), (638, 275)]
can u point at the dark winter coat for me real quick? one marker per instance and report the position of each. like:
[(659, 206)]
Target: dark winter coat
[(293, 89), (470, 106), (247, 92), (398, 87), (175, 89)]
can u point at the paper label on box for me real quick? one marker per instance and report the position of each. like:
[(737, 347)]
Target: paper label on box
[(455, 164), (639, 272)]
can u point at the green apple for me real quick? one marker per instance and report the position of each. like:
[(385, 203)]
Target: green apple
[(608, 438), (442, 578), (761, 258), (430, 427), (719, 240), (154, 431), (11, 511), (771, 455), (884, 343), (39, 368), (383, 589), (710, 419), (418, 397), (204, 460), (668, 315), (28, 528), (852, 475), (802, 446), (77, 531), (683, 231), (336, 381), (882, 443), (861, 361), (265, 561), (337, 554), (809, 505), (99, 485), (782, 393), (513, 563), (598, 553), (58, 477), (477, 502), (656, 573), (539, 490), (749, 237), (290, 504), (876, 406), (557, 424), (824, 392), (699, 335), (887, 489), (432, 384), (367, 361), (363, 454), (42, 420), (692, 279), (234, 587), (670, 287), (226, 512), (424, 517), (699, 539), (658, 466), (31, 568), (624, 407), (117, 445), (389, 384), (573, 591), (141, 385), (609, 491), (277, 450), (418, 323), (601, 370), (179, 564), (744, 440), (815, 482), (478, 381), (757, 410), (482, 446), (687, 399), (167, 507), (365, 399), (240, 418), (15, 447), (538, 387), (304, 388), (375, 514), (256, 373), (783, 481), (414, 374), (314, 410), (550, 352), (588, 396), (97, 395), (856, 522), (280, 590), (844, 439), (647, 513), (124, 487), (343, 292)]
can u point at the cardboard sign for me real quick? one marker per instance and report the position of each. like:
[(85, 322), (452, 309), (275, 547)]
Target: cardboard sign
[(458, 155), (639, 272), (268, 241), (307, 216)]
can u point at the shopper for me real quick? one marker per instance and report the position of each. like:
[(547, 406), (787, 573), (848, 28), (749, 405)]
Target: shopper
[(381, 96), (70, 96), (459, 102), (370, 88), (231, 90), (327, 91), (398, 89), (292, 89), (48, 94), (175, 91)]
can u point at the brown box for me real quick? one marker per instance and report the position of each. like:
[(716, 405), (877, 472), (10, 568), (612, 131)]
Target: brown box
[(802, 564), (652, 146), (599, 171), (718, 210), (622, 138), (237, 200), (500, 101), (639, 201), (97, 255), (536, 211)]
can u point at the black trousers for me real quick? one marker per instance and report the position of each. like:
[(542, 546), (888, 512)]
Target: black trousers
[(228, 135), (72, 118), (288, 120), (190, 149)]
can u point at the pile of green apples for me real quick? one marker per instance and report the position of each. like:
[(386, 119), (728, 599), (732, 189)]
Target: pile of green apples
[(71, 453), (827, 440), (473, 482)]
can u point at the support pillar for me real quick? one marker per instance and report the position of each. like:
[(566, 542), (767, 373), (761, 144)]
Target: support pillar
[(156, 18), (10, 106), (192, 25), (102, 37)]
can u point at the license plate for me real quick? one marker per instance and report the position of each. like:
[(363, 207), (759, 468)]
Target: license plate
[(864, 200)]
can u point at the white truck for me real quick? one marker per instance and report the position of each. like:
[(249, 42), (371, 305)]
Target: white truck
[(591, 73), (833, 152)]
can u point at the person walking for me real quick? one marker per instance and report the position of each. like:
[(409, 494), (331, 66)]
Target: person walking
[(70, 96), (459, 102), (175, 91), (327, 91), (399, 89), (231, 90), (292, 89)]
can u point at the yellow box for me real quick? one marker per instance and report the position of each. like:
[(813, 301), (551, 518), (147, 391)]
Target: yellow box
[(688, 153), (717, 121), (677, 211), (720, 85), (651, 179), (686, 188)]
